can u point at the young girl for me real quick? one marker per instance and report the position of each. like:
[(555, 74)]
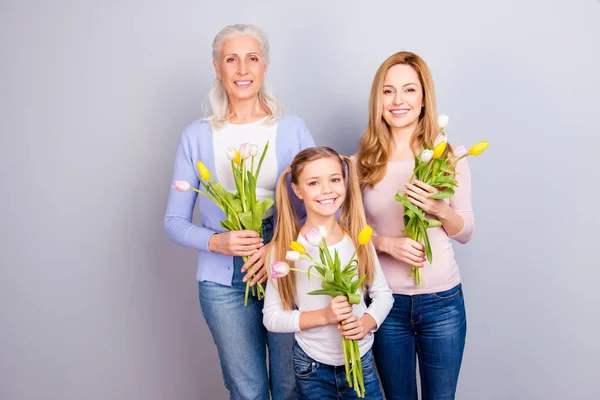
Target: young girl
[(427, 321), (319, 179)]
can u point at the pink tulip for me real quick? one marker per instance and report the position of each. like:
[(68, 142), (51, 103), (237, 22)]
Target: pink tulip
[(314, 237), (181, 186), (279, 269), (441, 138), (245, 150), (460, 151)]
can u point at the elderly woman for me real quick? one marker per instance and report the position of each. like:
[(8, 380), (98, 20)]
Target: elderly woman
[(242, 110)]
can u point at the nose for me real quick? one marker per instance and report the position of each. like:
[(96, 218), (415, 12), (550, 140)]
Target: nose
[(398, 98), (242, 67), (326, 187)]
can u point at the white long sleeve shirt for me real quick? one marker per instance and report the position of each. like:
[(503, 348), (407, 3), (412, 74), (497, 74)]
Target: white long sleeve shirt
[(324, 343)]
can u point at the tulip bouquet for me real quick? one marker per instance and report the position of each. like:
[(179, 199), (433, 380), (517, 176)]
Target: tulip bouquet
[(436, 167), (242, 209), (336, 281)]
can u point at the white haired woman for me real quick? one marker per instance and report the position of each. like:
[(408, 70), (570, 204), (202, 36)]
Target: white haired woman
[(242, 110)]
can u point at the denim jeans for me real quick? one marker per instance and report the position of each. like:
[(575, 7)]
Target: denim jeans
[(316, 381), (242, 340), (432, 326)]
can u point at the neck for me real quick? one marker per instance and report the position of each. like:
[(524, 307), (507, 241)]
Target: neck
[(334, 231), (244, 111), (401, 137)]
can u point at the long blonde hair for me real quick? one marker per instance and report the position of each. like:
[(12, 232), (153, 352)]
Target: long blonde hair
[(218, 102), (375, 145), (352, 218)]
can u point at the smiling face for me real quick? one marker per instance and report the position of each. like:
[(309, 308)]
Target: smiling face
[(241, 67), (402, 97), (321, 186)]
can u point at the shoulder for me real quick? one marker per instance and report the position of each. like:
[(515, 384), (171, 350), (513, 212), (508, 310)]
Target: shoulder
[(196, 130)]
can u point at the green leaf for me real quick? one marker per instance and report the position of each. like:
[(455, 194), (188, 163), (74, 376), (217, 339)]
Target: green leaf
[(433, 223), (329, 292), (446, 194), (356, 284), (228, 225), (267, 203), (246, 219), (262, 157), (427, 244), (257, 214), (321, 270), (445, 168)]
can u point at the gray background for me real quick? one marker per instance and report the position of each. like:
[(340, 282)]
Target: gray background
[(96, 304)]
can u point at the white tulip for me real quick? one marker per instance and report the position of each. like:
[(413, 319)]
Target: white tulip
[(443, 120), (426, 156), (292, 255)]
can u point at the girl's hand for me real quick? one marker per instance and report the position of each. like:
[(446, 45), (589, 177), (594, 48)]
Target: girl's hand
[(404, 249), (235, 243), (418, 193), (338, 310), (352, 328), (256, 266)]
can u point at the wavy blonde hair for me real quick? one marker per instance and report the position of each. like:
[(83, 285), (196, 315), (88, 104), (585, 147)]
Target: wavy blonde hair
[(218, 102), (352, 218), (375, 144)]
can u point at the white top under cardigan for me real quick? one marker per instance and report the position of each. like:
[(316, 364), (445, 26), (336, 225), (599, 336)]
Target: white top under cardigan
[(324, 343), (233, 135)]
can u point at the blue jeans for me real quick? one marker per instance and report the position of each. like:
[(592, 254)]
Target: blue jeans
[(432, 326), (242, 340), (316, 381)]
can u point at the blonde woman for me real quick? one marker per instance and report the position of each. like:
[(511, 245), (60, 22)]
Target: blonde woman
[(427, 322), (242, 110)]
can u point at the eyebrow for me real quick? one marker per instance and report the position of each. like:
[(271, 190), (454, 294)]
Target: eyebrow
[(252, 53), (407, 84), (317, 177)]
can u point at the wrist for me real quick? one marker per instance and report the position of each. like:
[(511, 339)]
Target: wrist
[(212, 243)]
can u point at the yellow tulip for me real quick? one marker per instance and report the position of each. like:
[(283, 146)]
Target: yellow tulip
[(204, 172), (478, 148), (438, 150), (237, 158), (365, 235), (298, 247)]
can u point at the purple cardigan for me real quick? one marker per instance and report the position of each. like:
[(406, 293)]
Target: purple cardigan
[(196, 145)]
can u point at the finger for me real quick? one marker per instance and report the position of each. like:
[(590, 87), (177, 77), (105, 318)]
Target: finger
[(416, 245), (426, 187), (415, 253), (251, 261), (344, 310), (259, 275), (339, 299), (417, 190), (350, 320), (248, 241), (342, 317), (244, 253), (247, 234)]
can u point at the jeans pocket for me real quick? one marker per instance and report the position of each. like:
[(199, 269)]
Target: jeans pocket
[(303, 369), (448, 294)]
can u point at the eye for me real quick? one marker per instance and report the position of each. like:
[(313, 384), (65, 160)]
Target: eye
[(312, 183), (410, 90), (387, 91), (255, 59), (230, 59), (335, 180)]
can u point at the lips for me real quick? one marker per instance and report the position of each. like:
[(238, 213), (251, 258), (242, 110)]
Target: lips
[(243, 84), (327, 202), (399, 112)]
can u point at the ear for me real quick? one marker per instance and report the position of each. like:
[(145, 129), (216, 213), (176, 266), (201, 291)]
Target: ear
[(296, 191), (217, 69)]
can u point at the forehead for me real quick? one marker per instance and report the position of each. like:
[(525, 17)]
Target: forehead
[(401, 74), (240, 44), (322, 167)]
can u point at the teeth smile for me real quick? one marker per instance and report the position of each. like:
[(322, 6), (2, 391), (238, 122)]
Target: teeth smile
[(243, 83), (399, 112), (326, 202)]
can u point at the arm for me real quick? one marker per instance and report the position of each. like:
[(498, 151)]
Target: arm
[(178, 217), (461, 204), (277, 319), (456, 216)]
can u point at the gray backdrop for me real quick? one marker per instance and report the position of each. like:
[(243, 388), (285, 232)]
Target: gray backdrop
[(96, 304)]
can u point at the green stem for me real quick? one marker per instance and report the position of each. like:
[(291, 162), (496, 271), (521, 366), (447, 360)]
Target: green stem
[(243, 194), (307, 273)]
